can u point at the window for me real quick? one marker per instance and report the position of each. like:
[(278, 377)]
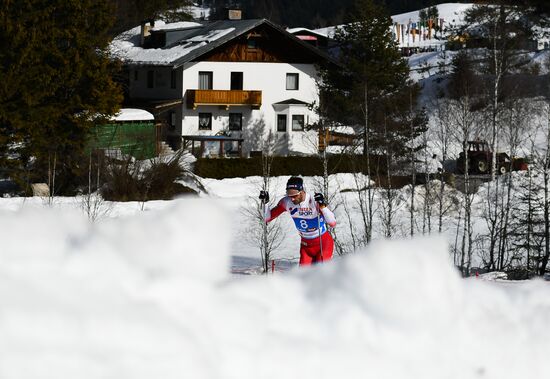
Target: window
[(235, 121), (173, 119), (281, 122), (150, 79), (173, 79), (205, 79), (252, 44), (205, 121), (291, 81), (298, 122), (236, 80)]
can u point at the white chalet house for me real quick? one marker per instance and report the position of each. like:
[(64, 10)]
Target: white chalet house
[(248, 83)]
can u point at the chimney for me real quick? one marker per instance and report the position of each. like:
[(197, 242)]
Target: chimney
[(234, 14), (146, 27)]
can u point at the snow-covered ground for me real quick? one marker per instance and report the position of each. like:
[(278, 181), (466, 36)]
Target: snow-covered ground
[(148, 292), (153, 290), (198, 12)]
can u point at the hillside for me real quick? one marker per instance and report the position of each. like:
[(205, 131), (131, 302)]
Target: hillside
[(312, 13), (321, 13)]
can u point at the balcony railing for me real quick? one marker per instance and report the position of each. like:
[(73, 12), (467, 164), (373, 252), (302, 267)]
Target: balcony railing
[(223, 98)]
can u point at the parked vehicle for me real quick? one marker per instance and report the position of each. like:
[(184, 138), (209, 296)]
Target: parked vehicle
[(480, 160)]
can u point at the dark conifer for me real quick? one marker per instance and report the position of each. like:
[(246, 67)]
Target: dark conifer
[(55, 79)]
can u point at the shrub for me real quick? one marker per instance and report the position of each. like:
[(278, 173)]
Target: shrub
[(291, 165), (132, 180)]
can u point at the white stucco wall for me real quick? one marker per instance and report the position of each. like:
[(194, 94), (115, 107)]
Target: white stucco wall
[(270, 78)]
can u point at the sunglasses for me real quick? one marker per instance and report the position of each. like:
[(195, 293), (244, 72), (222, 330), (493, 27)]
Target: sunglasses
[(294, 195)]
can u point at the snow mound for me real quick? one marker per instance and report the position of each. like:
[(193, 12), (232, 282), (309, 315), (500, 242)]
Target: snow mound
[(150, 296)]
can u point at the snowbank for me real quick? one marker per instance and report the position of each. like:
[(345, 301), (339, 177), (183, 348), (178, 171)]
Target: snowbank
[(150, 297)]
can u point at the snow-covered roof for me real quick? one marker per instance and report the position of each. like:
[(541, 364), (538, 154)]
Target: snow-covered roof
[(161, 25), (132, 114), (343, 129), (188, 41), (301, 30), (126, 46)]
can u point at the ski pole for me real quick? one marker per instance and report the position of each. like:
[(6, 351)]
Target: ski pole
[(319, 227)]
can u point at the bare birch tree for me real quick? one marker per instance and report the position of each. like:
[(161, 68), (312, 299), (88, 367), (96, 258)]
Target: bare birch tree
[(464, 120), (92, 203), (443, 138)]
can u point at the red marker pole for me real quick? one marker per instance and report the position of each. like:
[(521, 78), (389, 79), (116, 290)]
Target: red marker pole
[(272, 266)]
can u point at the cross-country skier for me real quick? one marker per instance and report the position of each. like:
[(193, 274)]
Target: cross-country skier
[(310, 215)]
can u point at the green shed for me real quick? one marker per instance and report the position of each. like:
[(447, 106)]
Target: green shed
[(130, 132)]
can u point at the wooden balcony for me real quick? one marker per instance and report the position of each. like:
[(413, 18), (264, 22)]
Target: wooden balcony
[(331, 138), (223, 98)]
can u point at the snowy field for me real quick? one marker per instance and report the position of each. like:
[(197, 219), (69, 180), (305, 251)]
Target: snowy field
[(147, 292)]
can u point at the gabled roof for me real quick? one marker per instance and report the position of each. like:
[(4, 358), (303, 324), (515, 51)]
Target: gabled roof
[(291, 101), (299, 30), (199, 40)]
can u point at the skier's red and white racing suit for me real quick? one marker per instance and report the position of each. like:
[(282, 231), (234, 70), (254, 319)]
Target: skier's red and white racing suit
[(305, 219)]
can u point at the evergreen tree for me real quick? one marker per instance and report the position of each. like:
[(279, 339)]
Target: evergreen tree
[(527, 226), (541, 7), (56, 77), (464, 79), (371, 90)]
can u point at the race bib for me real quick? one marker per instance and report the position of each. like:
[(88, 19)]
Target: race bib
[(305, 225)]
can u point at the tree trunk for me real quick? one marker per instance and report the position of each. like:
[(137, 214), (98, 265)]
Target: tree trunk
[(544, 261), (413, 165)]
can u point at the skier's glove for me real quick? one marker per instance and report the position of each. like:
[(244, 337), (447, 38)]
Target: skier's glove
[(264, 197), (320, 199)]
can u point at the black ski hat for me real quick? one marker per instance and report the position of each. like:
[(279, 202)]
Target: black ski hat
[(295, 183)]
